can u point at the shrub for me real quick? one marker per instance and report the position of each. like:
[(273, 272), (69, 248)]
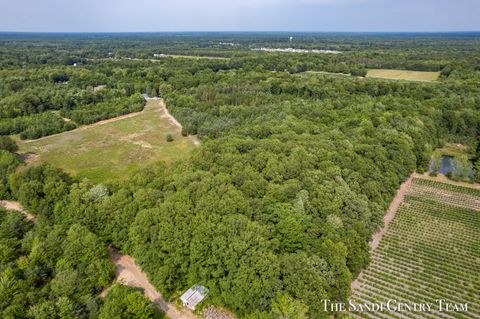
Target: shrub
[(8, 144)]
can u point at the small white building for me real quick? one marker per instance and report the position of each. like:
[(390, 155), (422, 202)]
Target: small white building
[(194, 296)]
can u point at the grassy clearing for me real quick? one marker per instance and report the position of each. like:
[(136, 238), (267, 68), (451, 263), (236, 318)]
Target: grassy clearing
[(454, 150), (324, 73), (114, 149), (430, 251), (196, 57), (403, 75)]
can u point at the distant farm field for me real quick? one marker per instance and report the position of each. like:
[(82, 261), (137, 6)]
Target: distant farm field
[(114, 148), (403, 75), (430, 251)]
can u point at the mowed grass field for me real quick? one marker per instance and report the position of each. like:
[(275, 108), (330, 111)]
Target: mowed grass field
[(430, 251), (112, 150), (403, 75)]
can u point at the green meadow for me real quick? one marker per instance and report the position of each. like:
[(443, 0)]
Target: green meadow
[(403, 75), (112, 150)]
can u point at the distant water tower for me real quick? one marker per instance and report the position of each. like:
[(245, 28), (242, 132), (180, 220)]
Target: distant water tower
[(291, 39)]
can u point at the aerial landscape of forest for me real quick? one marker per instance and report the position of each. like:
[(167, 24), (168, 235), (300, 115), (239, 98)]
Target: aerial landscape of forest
[(258, 175)]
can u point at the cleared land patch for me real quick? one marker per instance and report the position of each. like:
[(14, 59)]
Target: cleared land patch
[(197, 57), (403, 75), (431, 251), (113, 148), (129, 273)]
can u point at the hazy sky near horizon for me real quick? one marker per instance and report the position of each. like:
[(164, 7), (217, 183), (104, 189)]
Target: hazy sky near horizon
[(239, 15)]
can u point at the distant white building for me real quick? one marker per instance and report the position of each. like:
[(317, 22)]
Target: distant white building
[(194, 296), (292, 50)]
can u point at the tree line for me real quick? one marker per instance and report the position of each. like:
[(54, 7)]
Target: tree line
[(274, 212)]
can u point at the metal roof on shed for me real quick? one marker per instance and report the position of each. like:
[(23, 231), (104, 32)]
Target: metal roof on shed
[(194, 296)]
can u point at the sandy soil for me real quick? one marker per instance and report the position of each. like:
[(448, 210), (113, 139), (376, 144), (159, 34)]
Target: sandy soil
[(395, 204), (166, 114), (392, 210), (387, 219), (213, 312), (30, 157), (127, 272), (130, 274), (11, 205)]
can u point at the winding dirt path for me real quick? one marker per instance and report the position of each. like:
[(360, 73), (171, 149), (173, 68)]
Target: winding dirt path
[(129, 273), (86, 127), (151, 105), (166, 114), (11, 205), (387, 219)]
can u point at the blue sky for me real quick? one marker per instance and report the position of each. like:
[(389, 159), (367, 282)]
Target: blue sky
[(239, 15)]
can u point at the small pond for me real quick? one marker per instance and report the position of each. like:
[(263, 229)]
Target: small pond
[(447, 166)]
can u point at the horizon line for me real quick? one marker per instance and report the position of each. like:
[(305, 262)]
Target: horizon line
[(235, 31)]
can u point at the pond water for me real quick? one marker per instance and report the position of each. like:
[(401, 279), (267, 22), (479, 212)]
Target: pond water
[(447, 166)]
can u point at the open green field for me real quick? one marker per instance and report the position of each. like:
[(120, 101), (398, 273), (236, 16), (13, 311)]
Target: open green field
[(403, 75), (453, 150), (114, 148), (430, 251)]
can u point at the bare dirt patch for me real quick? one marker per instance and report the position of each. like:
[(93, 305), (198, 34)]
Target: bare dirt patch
[(129, 273), (29, 157), (387, 219), (166, 114), (392, 210), (213, 312), (143, 144), (12, 205)]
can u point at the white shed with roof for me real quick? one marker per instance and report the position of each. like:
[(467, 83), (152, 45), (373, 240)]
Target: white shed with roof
[(194, 296)]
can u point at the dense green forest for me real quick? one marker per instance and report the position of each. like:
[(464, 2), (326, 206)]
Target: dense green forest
[(273, 212)]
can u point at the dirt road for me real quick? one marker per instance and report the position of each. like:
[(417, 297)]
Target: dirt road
[(130, 274), (11, 205), (86, 127), (166, 114), (152, 104), (392, 210), (127, 272), (387, 219)]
